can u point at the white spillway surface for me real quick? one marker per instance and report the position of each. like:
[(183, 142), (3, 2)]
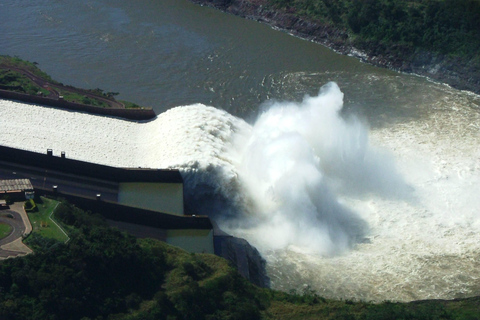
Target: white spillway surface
[(390, 214), (182, 136)]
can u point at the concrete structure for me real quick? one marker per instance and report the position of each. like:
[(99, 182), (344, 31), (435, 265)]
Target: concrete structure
[(146, 197), (197, 240), (151, 189), (151, 196)]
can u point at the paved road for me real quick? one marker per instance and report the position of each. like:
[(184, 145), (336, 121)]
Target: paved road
[(12, 245), (14, 219)]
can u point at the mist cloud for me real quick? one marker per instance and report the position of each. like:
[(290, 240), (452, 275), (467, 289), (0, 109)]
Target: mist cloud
[(294, 161)]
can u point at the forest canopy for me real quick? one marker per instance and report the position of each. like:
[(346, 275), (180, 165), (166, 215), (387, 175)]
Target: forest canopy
[(449, 27), (103, 273)]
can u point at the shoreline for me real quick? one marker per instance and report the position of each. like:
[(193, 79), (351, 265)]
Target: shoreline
[(24, 81), (436, 67)]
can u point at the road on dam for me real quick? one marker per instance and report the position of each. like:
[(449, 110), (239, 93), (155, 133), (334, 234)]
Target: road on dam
[(43, 179)]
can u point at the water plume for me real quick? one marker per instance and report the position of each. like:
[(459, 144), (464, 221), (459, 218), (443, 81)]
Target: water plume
[(293, 162)]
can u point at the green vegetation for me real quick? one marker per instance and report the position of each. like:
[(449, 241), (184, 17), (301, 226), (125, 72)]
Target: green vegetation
[(15, 62), (102, 273), (42, 222), (30, 205), (450, 27), (15, 81), (25, 77), (5, 230), (83, 99), (130, 105)]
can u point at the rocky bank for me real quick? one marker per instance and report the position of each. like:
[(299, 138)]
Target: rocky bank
[(450, 70)]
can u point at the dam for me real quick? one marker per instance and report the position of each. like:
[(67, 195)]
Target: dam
[(209, 85), (373, 229)]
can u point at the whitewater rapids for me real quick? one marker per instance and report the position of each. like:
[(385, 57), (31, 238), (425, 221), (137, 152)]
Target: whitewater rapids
[(390, 213)]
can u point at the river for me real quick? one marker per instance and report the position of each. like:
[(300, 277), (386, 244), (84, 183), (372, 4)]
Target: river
[(392, 177), (168, 53)]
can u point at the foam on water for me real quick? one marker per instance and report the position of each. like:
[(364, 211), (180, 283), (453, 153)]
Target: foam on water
[(391, 213), (292, 165)]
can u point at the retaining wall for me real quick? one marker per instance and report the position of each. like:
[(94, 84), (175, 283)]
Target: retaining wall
[(118, 212)]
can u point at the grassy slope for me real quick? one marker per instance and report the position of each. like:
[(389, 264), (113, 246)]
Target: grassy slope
[(7, 61), (211, 275), (16, 81), (42, 222)]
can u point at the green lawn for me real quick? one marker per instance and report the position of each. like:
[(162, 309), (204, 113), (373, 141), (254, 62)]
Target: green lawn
[(20, 83), (16, 62), (42, 220), (5, 230)]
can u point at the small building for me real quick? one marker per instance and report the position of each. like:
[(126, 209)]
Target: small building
[(17, 189)]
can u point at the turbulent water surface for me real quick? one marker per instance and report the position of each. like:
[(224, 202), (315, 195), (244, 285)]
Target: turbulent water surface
[(359, 182)]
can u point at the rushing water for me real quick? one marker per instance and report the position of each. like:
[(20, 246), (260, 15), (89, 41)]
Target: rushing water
[(368, 190)]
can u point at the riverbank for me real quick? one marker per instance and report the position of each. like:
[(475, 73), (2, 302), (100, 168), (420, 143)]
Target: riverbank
[(24, 81), (454, 70)]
